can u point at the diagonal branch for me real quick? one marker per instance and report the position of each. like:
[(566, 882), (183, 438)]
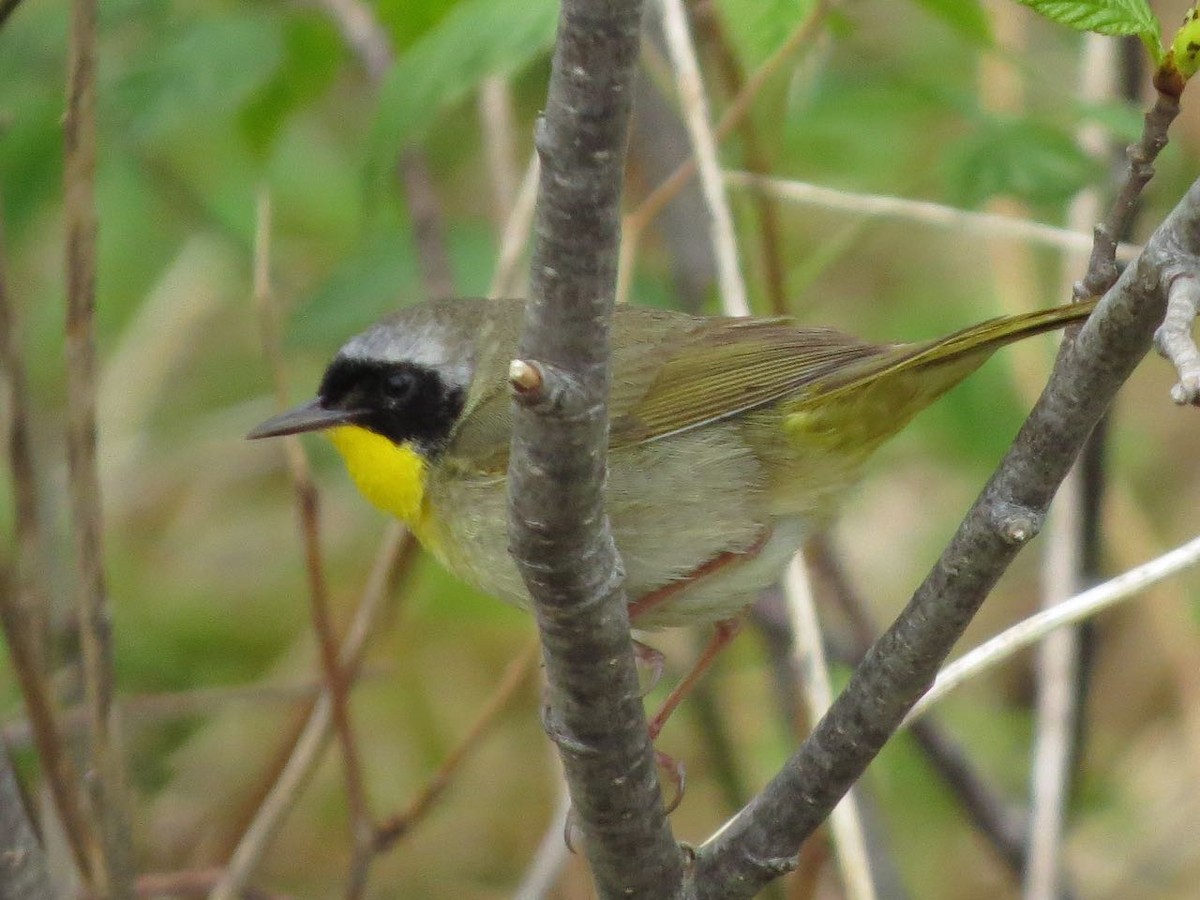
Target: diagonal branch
[(764, 837), (558, 533)]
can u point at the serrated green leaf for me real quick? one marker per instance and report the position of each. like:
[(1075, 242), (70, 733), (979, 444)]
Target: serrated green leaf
[(1111, 17), (476, 39), (967, 17)]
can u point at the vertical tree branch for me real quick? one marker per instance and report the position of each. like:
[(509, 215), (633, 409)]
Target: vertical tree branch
[(559, 534), (112, 869)]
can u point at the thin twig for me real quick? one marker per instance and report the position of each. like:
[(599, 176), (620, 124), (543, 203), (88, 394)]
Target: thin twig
[(307, 512), (924, 212), (193, 883), (394, 558), (496, 118), (513, 679), (1075, 609), (639, 220), (801, 37), (23, 607), (169, 706), (547, 863), (849, 839), (506, 281), (707, 19), (1002, 826), (112, 868), (704, 149), (1059, 665), (850, 843)]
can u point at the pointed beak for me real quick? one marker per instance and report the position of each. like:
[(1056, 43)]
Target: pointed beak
[(309, 417)]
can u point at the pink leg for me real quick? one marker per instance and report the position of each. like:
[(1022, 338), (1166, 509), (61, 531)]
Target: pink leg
[(723, 633)]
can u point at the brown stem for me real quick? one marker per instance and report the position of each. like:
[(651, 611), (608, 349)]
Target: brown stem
[(111, 867), (308, 515)]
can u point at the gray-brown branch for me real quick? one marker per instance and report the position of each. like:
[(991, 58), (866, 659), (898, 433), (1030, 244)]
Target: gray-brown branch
[(558, 531), (765, 836)]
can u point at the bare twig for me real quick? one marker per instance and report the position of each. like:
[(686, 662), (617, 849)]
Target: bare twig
[(394, 557), (511, 681), (639, 220), (804, 34), (505, 280), (1002, 826), (361, 825), (193, 883), (704, 148), (1036, 627), (1174, 341), (112, 870), (850, 844), (547, 863), (924, 212), (558, 532), (23, 606), (496, 117), (1059, 667), (169, 706)]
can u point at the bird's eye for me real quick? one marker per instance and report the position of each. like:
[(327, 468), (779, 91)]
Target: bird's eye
[(400, 385)]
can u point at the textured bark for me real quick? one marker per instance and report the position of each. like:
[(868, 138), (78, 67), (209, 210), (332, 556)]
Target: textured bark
[(763, 839), (559, 534)]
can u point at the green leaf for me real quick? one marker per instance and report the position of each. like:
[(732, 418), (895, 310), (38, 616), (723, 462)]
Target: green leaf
[(312, 53), (1033, 161), (476, 39), (758, 27), (206, 71), (967, 17), (1111, 17)]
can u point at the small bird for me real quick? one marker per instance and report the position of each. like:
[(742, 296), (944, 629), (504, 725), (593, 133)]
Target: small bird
[(730, 439)]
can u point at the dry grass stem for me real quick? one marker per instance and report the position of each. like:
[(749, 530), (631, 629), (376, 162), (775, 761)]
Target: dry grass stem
[(112, 866), (850, 842), (923, 212), (393, 559), (496, 118), (307, 511), (515, 676), (704, 150), (804, 34), (24, 604), (1068, 612), (506, 280)]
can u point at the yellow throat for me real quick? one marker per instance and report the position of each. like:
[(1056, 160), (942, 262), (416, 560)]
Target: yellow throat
[(390, 476)]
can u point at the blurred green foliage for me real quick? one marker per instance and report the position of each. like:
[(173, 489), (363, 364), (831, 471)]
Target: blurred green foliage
[(204, 103)]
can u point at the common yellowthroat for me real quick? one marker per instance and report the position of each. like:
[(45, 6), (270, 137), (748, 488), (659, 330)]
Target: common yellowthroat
[(730, 439)]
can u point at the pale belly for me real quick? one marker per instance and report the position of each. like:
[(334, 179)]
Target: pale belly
[(668, 519)]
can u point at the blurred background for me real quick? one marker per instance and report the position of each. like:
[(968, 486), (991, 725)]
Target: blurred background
[(206, 106)]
